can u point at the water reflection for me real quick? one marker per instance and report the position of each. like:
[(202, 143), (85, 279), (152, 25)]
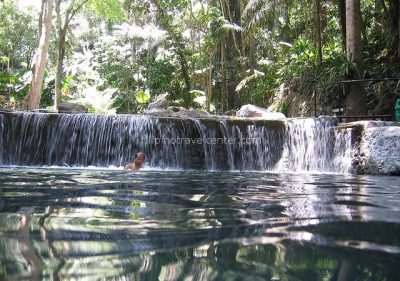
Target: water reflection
[(82, 224)]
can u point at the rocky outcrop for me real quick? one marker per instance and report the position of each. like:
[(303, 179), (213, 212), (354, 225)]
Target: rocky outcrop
[(160, 103), (380, 151), (175, 111), (246, 111), (72, 108), (377, 150), (253, 111)]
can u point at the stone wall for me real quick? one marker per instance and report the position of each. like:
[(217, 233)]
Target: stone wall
[(377, 147)]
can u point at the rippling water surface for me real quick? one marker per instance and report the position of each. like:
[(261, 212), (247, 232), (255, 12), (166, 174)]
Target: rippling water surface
[(73, 224)]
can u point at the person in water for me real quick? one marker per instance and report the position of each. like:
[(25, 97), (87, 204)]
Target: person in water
[(137, 163)]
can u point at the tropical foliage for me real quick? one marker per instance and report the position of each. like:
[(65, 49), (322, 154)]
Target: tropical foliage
[(212, 54)]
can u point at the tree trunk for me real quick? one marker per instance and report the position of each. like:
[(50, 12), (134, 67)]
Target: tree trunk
[(231, 68), (208, 86), (394, 21), (356, 97), (185, 74), (33, 98), (223, 92), (40, 21), (232, 13), (318, 27), (60, 61), (62, 36), (342, 17)]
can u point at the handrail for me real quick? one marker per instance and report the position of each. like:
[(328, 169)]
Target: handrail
[(365, 80), (344, 82), (364, 117)]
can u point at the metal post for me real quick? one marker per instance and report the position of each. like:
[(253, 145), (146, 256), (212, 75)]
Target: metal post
[(344, 94)]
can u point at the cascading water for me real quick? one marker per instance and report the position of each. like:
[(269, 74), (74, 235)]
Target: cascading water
[(210, 149), (294, 145), (343, 150), (253, 145), (87, 140), (309, 145)]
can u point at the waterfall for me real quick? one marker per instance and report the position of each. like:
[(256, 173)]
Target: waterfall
[(253, 145), (309, 145), (294, 145), (87, 140), (343, 150), (225, 132), (210, 149)]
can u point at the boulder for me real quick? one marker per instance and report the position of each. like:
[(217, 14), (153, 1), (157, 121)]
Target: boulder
[(175, 111), (253, 111), (72, 108), (375, 147), (160, 103), (380, 151)]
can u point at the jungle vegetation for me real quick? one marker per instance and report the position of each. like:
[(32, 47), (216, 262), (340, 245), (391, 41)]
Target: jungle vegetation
[(116, 56)]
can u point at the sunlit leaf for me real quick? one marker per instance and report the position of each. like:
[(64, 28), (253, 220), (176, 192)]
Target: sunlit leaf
[(142, 97)]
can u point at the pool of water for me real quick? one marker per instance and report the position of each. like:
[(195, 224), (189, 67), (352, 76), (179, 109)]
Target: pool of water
[(82, 224)]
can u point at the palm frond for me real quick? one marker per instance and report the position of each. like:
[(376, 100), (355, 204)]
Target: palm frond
[(242, 84), (232, 26), (259, 16), (251, 7)]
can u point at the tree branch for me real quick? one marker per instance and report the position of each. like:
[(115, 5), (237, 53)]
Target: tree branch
[(74, 11)]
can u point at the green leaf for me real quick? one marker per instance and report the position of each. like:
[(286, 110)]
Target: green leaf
[(142, 97), (4, 59), (110, 9)]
